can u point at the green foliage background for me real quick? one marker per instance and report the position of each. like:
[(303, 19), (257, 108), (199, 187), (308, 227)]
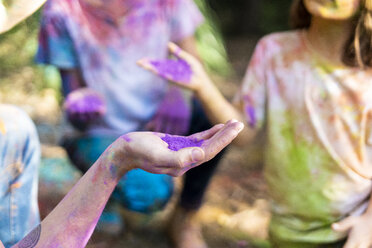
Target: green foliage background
[(17, 67)]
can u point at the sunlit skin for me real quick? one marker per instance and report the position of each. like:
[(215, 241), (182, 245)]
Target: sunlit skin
[(333, 9)]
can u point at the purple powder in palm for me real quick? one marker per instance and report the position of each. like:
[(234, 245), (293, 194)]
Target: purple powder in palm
[(176, 70), (176, 143)]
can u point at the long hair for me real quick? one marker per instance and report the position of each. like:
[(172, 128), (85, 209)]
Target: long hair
[(358, 47)]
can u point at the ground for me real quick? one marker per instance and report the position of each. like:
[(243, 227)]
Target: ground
[(235, 213)]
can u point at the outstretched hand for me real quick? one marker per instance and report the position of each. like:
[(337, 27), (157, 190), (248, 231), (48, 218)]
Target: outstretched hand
[(185, 71), (174, 155)]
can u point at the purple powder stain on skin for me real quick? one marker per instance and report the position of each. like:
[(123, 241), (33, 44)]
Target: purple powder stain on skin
[(250, 111), (252, 116), (126, 138), (176, 143), (113, 171), (177, 70)]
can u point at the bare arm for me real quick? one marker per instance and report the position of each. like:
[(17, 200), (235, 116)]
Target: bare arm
[(216, 106), (72, 222), (188, 44), (17, 12)]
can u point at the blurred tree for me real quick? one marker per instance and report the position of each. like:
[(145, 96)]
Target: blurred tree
[(211, 43), (17, 69), (247, 17)]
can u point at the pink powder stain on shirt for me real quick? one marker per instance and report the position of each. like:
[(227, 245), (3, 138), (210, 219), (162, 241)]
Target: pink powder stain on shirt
[(176, 143), (177, 70)]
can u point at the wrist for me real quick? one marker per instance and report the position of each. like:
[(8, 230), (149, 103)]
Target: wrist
[(117, 158), (205, 90)]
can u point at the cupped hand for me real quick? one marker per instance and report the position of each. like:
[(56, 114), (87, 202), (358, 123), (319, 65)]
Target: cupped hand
[(358, 229), (186, 71), (174, 155), (83, 107), (173, 115)]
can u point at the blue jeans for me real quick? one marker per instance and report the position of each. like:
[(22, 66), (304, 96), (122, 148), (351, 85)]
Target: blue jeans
[(19, 159)]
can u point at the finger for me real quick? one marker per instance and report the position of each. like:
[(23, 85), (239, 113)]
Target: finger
[(364, 244), (190, 157), (344, 225), (208, 133), (179, 53), (350, 243), (147, 65), (222, 138)]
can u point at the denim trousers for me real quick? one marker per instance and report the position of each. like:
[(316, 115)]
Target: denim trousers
[(19, 159)]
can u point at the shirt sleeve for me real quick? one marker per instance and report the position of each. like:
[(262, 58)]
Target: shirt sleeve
[(185, 19), (55, 44), (252, 95)]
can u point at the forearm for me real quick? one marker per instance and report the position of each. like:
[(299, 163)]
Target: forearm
[(72, 222), (18, 11), (220, 110)]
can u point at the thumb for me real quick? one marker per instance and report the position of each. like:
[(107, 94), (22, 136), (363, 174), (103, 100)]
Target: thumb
[(344, 225), (191, 156)]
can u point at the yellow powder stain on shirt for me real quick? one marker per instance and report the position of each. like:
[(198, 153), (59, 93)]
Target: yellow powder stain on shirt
[(2, 128)]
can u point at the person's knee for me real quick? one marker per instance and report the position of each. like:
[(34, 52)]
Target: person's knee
[(16, 121), (19, 131), (144, 192)]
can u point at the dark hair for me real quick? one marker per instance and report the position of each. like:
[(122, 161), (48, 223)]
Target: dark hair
[(358, 47)]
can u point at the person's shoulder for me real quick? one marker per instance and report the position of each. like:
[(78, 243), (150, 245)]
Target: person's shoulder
[(280, 42)]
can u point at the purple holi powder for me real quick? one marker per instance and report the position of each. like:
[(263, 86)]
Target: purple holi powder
[(176, 143), (252, 116), (177, 70), (89, 103)]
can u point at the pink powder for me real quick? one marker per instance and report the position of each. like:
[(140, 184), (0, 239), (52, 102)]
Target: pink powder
[(176, 70), (176, 143)]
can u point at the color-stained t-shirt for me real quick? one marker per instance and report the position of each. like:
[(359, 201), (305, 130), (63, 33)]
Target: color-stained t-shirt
[(318, 149), (72, 36)]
